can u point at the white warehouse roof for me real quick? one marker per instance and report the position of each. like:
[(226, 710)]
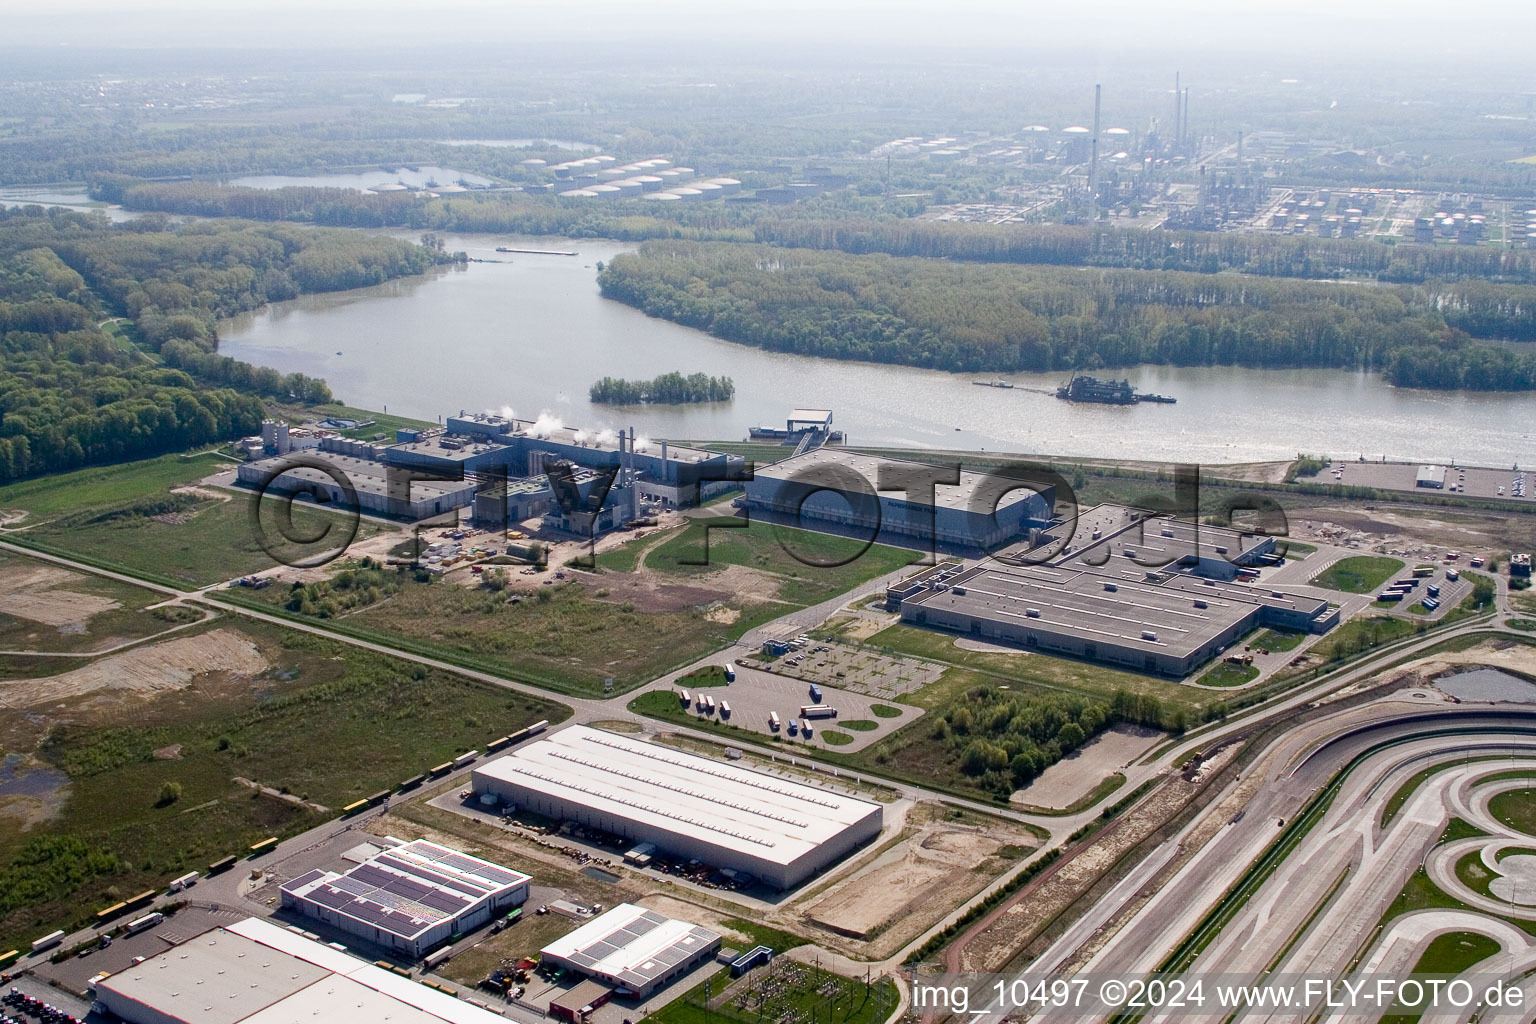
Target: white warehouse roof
[(255, 972), (632, 945), (764, 817)]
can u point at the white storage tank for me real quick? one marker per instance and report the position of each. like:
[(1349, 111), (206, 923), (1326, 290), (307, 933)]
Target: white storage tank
[(649, 182), (725, 184), (628, 186), (692, 195)]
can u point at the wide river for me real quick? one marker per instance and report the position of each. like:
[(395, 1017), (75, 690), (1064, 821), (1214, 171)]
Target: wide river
[(532, 334)]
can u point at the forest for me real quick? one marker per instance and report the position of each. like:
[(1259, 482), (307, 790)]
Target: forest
[(1004, 739), (73, 394), (813, 227), (989, 317), (666, 389)]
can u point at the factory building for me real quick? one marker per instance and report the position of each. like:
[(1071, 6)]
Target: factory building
[(255, 972), (1149, 594), (664, 474), (409, 897), (635, 950), (688, 806), (372, 489), (834, 487)]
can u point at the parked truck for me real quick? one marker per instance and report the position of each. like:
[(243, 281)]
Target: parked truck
[(773, 721), (818, 711)]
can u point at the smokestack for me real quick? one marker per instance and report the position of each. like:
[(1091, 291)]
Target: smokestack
[(1093, 164), (1178, 111), (1184, 117)]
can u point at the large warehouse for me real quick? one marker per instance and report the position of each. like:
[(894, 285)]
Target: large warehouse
[(1149, 593), (633, 949), (372, 489), (869, 494), (409, 897), (780, 831), (255, 972)]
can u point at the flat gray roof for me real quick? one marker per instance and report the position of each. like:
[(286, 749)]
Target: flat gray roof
[(433, 447), (255, 972), (367, 476), (950, 496), (759, 815), (1075, 602)]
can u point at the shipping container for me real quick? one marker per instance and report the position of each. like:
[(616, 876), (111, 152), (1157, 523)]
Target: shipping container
[(806, 728), (438, 958), (144, 897), (440, 769), (1424, 570), (725, 709), (265, 846), (6, 959), (143, 924), (709, 704), (186, 881), (730, 672), (773, 721), (112, 911), (47, 941), (464, 759), (222, 864), (354, 807), (685, 697)]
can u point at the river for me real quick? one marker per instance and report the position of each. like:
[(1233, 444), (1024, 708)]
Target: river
[(533, 333)]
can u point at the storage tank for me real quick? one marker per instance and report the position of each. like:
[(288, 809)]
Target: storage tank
[(628, 186), (534, 161), (683, 192), (663, 196), (709, 189), (606, 191), (725, 184), (578, 193), (649, 182)]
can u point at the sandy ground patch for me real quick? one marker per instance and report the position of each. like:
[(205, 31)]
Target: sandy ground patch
[(32, 592), (146, 671), (864, 627), (907, 887), (1074, 777), (209, 493)]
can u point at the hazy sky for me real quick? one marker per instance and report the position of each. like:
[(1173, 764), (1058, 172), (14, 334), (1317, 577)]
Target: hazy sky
[(1397, 30)]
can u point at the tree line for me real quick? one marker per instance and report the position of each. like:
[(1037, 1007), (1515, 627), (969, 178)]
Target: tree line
[(667, 389), (71, 394), (988, 317)]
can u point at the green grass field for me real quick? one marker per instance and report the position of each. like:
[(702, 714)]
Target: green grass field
[(810, 567), (1359, 574), (214, 544), (1279, 639), (105, 485), (325, 722), (1516, 808), (1038, 670), (1230, 675)]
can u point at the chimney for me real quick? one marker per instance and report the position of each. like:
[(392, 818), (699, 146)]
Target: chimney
[(1178, 109), (1093, 163)]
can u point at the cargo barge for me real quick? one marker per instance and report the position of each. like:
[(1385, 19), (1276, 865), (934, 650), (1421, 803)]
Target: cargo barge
[(1106, 392)]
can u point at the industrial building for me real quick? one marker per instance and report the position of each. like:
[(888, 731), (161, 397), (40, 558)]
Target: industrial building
[(635, 950), (827, 486), (371, 487), (410, 897), (1430, 476), (654, 472), (689, 806), (1150, 594), (255, 972)]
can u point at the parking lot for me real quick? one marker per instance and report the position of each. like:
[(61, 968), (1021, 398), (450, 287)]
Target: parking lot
[(1473, 481), (759, 691), (859, 669)]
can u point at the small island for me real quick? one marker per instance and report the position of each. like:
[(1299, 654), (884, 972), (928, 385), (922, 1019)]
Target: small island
[(667, 389)]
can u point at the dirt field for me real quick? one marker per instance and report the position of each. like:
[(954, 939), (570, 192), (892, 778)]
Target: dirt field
[(146, 671), (911, 885), (34, 592), (1075, 776)]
